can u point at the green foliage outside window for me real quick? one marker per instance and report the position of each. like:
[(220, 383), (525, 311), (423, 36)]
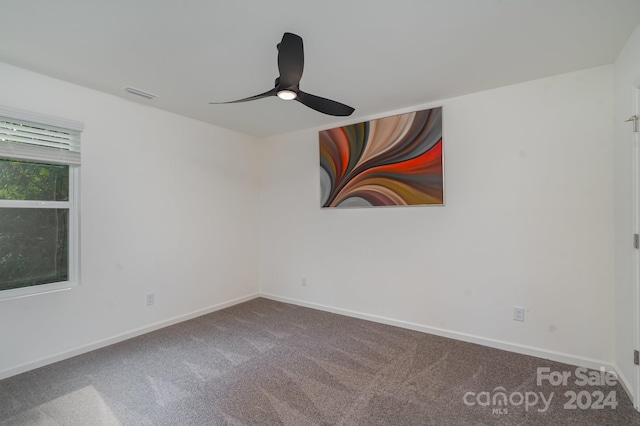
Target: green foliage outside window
[(33, 241), (21, 180)]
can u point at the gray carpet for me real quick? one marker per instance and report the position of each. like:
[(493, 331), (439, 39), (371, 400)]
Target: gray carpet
[(267, 363)]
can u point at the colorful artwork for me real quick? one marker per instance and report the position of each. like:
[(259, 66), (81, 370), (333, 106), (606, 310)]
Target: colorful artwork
[(393, 161)]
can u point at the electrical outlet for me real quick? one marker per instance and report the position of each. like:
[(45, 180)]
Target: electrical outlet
[(518, 313), (150, 299), (303, 281)]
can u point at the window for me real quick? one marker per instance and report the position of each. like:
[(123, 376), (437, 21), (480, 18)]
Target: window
[(39, 171)]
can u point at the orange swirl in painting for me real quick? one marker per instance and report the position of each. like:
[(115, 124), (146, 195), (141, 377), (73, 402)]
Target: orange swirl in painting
[(393, 161)]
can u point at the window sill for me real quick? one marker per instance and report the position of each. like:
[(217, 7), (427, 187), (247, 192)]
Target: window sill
[(35, 290)]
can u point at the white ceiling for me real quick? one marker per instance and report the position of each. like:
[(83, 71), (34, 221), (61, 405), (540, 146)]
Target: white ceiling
[(375, 55)]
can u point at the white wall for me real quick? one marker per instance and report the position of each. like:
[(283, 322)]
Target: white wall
[(168, 205), (627, 74), (528, 221)]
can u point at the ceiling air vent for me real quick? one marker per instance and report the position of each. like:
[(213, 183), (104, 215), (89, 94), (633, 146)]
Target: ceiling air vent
[(139, 92)]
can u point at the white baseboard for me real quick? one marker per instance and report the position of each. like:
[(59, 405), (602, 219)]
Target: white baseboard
[(120, 337), (493, 343)]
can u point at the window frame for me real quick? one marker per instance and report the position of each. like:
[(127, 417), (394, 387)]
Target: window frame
[(71, 205)]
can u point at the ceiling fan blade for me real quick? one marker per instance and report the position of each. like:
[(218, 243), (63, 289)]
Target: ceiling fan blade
[(290, 60), (326, 106), (271, 92)]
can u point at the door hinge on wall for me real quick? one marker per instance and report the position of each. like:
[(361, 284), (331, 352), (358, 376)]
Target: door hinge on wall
[(636, 357), (634, 119), (636, 241)]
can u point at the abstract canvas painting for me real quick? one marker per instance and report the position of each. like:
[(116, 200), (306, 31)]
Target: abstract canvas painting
[(392, 161)]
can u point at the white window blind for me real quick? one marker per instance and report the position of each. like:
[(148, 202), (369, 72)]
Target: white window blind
[(35, 137)]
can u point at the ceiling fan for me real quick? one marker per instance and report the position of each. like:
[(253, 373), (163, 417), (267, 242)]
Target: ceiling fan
[(287, 86)]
